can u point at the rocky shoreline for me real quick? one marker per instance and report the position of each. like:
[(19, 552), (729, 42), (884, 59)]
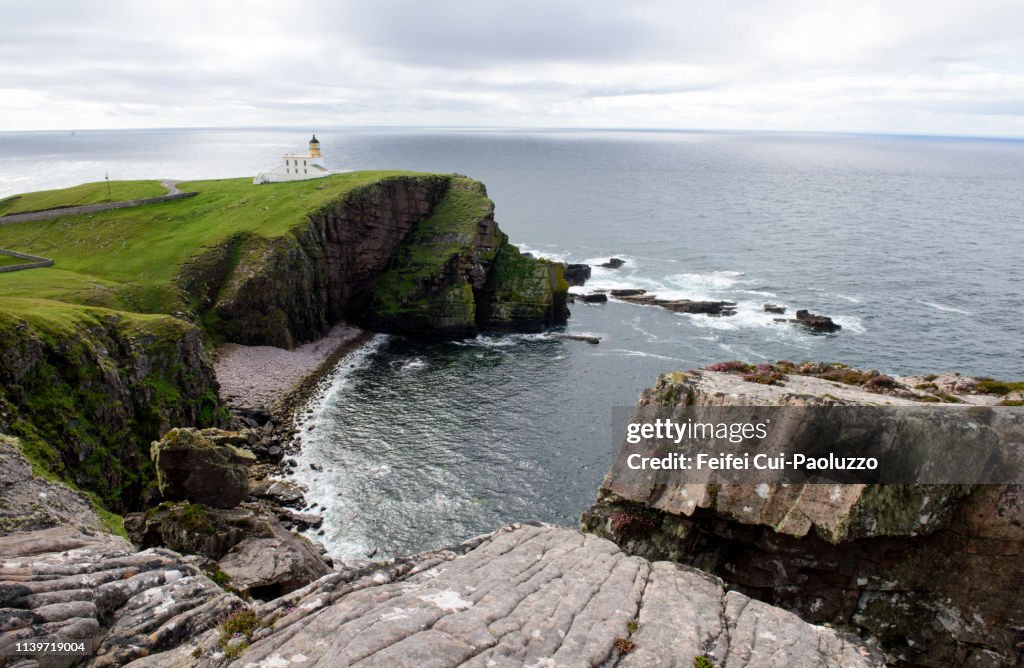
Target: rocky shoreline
[(264, 388), (218, 575), (578, 274), (262, 381), (131, 408)]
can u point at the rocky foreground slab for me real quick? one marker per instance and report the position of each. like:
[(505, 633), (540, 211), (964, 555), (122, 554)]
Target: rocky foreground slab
[(526, 595)]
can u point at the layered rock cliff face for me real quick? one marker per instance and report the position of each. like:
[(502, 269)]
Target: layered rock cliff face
[(931, 571), (87, 392), (417, 255)]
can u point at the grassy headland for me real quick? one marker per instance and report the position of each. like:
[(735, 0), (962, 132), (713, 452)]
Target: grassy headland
[(102, 352), (87, 193), (126, 259)]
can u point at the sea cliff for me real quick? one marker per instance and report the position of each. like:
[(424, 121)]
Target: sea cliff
[(929, 571), (110, 347)]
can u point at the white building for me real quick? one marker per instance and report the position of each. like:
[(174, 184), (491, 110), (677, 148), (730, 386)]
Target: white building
[(297, 167)]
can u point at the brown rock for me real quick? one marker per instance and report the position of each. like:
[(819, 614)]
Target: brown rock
[(273, 566), (202, 466), (816, 323)]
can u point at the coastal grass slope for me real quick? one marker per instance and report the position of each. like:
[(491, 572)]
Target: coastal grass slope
[(127, 259), (86, 193)]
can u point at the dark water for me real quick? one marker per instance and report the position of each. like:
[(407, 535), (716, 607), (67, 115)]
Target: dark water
[(913, 244)]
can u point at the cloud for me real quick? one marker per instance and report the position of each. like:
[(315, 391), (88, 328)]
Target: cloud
[(878, 66)]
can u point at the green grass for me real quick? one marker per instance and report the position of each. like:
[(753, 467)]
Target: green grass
[(87, 193), (999, 387), (448, 231), (8, 261), (48, 317), (126, 259), (112, 522)]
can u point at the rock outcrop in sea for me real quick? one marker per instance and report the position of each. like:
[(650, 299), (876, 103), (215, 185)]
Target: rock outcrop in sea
[(931, 572)]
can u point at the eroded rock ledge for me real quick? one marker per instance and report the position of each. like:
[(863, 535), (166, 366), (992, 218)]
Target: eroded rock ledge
[(525, 595), (522, 596), (930, 571)]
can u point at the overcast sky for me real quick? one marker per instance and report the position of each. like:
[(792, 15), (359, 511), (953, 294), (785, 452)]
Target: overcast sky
[(930, 66)]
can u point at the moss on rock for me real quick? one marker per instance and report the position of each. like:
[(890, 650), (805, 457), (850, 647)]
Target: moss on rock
[(457, 274), (87, 389)]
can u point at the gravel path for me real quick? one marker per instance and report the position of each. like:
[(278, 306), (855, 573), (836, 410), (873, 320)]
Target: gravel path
[(172, 186), (259, 377)]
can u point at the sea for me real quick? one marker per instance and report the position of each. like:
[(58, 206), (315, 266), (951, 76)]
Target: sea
[(913, 244)]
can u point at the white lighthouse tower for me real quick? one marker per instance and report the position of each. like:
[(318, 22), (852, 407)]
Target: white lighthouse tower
[(297, 167)]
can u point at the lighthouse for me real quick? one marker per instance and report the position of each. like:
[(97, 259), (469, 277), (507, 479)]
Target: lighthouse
[(297, 167)]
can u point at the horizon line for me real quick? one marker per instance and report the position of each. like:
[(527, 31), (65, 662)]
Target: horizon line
[(529, 128)]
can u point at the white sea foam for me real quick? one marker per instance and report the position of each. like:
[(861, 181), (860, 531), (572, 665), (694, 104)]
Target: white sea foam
[(631, 263), (748, 315), (948, 309), (549, 254), (414, 364), (701, 285), (688, 285), (850, 323), (339, 378), (838, 295), (640, 353), (500, 340)]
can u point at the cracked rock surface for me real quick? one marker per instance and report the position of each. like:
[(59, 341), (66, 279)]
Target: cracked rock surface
[(63, 584), (526, 595), (63, 579), (28, 502)]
